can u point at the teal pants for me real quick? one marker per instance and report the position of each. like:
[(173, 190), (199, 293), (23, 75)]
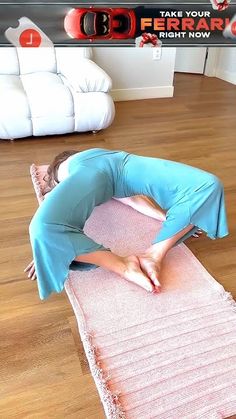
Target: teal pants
[(189, 195)]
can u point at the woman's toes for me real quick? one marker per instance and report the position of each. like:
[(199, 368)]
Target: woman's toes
[(135, 274), (151, 268), (144, 271), (153, 276), (143, 281)]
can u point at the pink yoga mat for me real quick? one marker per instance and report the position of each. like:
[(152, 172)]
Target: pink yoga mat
[(166, 356)]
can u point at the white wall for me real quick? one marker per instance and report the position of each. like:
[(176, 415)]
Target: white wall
[(226, 64), (135, 74)]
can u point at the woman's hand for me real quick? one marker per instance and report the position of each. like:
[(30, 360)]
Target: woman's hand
[(30, 269), (198, 233)]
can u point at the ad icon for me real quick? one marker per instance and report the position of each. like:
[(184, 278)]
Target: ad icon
[(27, 34), (30, 38), (230, 30)]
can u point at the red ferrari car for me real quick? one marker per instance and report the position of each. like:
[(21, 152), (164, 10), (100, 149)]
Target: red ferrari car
[(96, 23)]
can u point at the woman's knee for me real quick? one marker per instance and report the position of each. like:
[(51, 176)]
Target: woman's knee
[(215, 182)]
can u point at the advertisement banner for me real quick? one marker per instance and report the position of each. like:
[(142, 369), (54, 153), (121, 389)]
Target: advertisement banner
[(212, 23)]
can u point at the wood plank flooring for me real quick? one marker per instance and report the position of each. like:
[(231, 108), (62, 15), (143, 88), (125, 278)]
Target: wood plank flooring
[(43, 370)]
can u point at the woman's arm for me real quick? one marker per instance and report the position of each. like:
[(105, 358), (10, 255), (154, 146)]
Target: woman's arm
[(145, 205)]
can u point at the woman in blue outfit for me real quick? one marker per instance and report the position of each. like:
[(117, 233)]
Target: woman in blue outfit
[(190, 198)]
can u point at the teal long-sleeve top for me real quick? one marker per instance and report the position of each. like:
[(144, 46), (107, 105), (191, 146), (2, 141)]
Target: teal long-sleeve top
[(188, 194)]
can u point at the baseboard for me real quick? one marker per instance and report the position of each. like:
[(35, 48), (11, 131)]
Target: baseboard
[(142, 93), (225, 75)]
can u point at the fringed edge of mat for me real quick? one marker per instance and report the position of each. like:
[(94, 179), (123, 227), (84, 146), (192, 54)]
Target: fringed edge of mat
[(112, 406), (225, 295), (36, 184)]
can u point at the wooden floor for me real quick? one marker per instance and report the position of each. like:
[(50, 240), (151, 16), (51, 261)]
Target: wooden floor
[(43, 370)]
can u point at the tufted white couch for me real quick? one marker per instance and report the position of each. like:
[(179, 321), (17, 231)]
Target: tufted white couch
[(48, 91)]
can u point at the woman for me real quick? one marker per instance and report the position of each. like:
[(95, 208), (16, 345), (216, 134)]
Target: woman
[(192, 198)]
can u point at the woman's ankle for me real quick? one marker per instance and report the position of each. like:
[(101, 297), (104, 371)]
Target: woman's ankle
[(155, 252)]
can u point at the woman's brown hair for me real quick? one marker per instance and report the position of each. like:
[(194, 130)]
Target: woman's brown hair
[(51, 177)]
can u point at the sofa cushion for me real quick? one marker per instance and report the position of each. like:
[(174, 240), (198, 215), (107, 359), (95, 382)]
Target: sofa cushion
[(71, 56), (28, 60), (33, 60), (47, 95), (86, 76), (13, 98), (12, 127), (52, 125), (93, 111), (9, 63)]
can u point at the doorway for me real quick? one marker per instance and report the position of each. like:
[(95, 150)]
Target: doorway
[(191, 59)]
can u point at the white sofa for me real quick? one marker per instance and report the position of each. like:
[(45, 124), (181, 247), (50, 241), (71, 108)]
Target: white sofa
[(48, 91)]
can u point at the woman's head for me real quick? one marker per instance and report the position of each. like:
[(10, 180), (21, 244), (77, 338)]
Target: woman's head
[(51, 177)]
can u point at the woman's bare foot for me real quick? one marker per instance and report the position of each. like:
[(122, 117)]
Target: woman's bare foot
[(134, 273), (151, 267), (160, 215)]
